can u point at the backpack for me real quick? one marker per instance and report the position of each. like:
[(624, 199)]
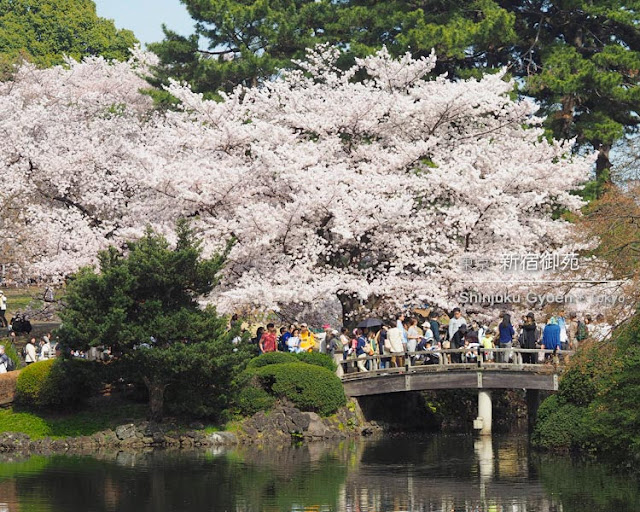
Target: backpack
[(10, 364), (582, 333)]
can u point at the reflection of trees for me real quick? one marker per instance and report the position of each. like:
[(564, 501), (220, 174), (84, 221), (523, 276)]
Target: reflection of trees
[(248, 479), (591, 488), (441, 473)]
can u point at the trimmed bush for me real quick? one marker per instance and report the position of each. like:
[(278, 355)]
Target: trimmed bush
[(251, 400), (271, 358), (314, 358), (318, 359), (32, 382), (309, 387), (57, 383)]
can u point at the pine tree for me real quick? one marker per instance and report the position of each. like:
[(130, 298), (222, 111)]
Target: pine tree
[(144, 305)]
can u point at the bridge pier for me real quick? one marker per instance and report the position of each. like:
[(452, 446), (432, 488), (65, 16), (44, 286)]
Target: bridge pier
[(533, 402), (485, 412)]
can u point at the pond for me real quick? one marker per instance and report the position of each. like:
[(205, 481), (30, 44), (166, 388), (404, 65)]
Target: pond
[(437, 473)]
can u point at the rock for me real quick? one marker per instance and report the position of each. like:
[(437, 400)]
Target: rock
[(59, 445), (196, 425), (125, 432), (221, 438), (367, 431)]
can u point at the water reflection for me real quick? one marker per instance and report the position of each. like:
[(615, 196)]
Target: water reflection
[(438, 474)]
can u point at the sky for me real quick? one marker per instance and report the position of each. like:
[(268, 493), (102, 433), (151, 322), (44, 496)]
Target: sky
[(145, 17)]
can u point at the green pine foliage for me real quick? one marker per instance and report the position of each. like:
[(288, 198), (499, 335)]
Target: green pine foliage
[(143, 303), (45, 31)]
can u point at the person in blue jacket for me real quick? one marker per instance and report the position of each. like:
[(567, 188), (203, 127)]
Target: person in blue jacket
[(506, 337), (551, 334)]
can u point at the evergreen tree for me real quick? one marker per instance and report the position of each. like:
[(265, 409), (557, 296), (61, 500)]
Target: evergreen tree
[(144, 305), (579, 59), (44, 31)]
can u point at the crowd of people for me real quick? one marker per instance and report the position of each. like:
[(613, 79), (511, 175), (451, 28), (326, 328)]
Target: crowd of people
[(428, 340)]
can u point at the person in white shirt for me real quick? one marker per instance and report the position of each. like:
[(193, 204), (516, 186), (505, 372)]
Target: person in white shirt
[(45, 349), (456, 322), (30, 355), (396, 346)]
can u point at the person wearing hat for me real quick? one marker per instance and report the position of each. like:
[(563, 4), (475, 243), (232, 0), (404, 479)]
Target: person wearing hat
[(307, 339), (3, 310), (529, 337)]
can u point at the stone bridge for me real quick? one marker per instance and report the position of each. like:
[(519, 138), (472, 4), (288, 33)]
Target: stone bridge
[(482, 374)]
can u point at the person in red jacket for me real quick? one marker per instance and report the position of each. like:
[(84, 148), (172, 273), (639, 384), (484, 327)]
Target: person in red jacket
[(269, 340)]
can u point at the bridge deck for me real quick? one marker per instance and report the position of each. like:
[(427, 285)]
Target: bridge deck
[(515, 375)]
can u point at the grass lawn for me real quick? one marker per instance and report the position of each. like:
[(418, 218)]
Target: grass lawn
[(85, 423), (19, 298)]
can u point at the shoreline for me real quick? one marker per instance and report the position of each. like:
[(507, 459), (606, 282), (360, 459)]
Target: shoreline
[(281, 425)]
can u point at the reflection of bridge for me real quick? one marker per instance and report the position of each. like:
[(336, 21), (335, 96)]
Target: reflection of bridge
[(482, 375)]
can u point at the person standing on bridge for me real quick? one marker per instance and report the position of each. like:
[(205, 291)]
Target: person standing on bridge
[(435, 328), (457, 342), (506, 338), (361, 354), (529, 338), (456, 322), (551, 334), (396, 346)]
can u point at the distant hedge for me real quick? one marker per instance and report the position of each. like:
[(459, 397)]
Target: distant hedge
[(271, 358), (317, 359), (57, 384), (309, 387), (314, 358)]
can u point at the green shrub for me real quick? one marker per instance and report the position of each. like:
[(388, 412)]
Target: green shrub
[(57, 383), (251, 400), (317, 359), (32, 382), (271, 358), (314, 358), (562, 425), (309, 387)]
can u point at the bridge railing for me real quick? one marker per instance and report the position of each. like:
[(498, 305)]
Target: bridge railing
[(451, 359)]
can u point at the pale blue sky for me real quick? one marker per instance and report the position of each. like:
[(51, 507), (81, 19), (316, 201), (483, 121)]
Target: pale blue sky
[(145, 17)]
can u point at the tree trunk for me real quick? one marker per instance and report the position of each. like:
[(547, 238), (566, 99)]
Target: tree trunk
[(156, 387), (603, 166), (354, 310)]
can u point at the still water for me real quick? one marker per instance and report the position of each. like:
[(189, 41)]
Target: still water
[(436, 474)]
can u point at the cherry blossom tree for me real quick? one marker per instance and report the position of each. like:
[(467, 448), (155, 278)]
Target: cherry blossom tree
[(371, 191)]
